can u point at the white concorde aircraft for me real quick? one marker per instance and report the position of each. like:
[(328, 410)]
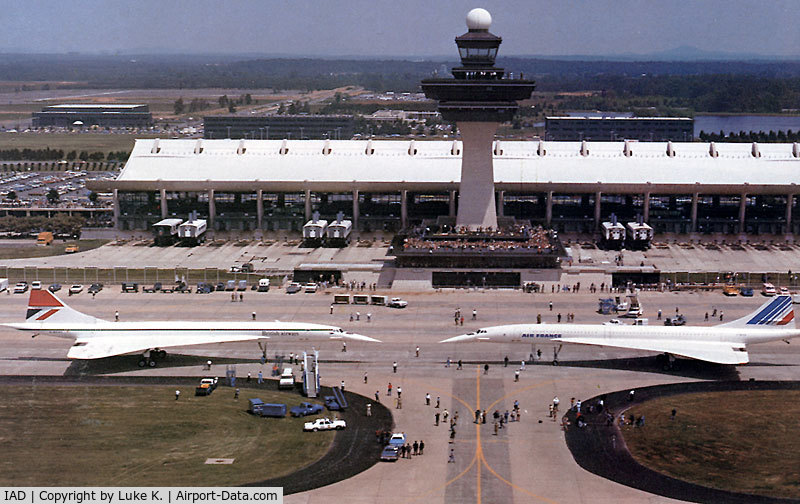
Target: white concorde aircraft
[(96, 338), (723, 344)]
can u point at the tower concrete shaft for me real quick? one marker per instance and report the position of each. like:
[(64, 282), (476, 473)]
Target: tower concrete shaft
[(477, 207)]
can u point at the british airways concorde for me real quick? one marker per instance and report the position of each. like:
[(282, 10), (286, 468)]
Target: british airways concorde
[(96, 338)]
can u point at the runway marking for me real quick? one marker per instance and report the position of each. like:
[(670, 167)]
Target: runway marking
[(479, 458), (447, 483), (529, 387), (479, 448)]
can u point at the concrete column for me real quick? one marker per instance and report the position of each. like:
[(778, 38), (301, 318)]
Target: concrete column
[(646, 210), (260, 208), (477, 206), (164, 209), (742, 208), (597, 196), (116, 208), (452, 202), (501, 196), (212, 209), (355, 210), (548, 213), (789, 200), (404, 208), (695, 197), (308, 205)]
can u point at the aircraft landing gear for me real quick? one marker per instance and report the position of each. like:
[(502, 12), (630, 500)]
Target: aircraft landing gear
[(555, 354), (150, 357), (666, 361)]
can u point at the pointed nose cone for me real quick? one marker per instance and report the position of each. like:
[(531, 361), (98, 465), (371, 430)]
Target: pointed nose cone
[(463, 337), (360, 337)]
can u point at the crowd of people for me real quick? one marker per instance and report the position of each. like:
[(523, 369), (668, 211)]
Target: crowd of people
[(517, 238)]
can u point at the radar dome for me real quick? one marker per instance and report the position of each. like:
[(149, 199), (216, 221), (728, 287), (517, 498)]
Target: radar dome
[(479, 19)]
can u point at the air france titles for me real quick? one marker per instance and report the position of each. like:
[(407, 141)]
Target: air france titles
[(542, 335)]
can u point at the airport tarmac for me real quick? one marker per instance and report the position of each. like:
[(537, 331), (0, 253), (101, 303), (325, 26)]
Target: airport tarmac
[(281, 252), (526, 462)]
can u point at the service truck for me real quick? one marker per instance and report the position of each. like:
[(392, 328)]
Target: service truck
[(287, 379), (44, 238)]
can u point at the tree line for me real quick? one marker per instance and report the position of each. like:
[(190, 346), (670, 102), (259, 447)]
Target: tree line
[(695, 86), (48, 154), (59, 224), (751, 136)]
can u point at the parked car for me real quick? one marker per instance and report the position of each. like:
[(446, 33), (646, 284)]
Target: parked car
[(36, 285), (97, 287), (155, 288), (54, 287), (390, 453), (230, 285), (242, 285), (310, 288), (130, 287), (324, 424), (746, 291), (397, 303), (294, 287), (784, 291), (75, 289), (220, 286), (204, 288), (331, 403), (305, 408), (677, 320), (21, 288), (397, 439), (768, 290), (730, 290)]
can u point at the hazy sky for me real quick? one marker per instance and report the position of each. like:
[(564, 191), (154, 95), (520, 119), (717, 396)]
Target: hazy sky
[(414, 28)]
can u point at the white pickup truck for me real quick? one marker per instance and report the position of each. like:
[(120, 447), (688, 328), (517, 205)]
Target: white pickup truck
[(324, 424), (397, 303)]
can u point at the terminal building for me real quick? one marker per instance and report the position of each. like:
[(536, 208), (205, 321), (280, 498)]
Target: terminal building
[(112, 116), (251, 185), (298, 127), (645, 129)]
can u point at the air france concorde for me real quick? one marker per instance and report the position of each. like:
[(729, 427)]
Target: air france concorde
[(96, 338), (722, 344)]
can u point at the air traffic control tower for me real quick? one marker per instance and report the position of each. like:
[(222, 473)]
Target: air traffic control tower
[(478, 98)]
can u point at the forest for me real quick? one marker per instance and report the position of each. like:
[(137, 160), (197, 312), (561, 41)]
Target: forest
[(660, 86)]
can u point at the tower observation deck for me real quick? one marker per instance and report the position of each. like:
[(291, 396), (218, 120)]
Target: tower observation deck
[(478, 98)]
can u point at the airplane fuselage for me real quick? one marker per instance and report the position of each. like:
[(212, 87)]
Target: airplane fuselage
[(176, 328), (555, 332)]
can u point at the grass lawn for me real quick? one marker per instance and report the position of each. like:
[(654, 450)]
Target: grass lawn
[(12, 250), (89, 142), (140, 435), (742, 441)]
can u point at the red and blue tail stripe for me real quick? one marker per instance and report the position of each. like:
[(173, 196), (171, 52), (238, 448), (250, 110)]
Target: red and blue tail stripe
[(778, 312)]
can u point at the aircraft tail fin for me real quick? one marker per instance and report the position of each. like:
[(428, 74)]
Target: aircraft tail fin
[(44, 306), (777, 312)]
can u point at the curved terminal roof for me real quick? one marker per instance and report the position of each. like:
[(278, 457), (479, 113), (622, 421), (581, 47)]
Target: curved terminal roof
[(526, 166)]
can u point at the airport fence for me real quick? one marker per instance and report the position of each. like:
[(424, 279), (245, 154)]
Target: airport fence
[(718, 279), (142, 276)]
